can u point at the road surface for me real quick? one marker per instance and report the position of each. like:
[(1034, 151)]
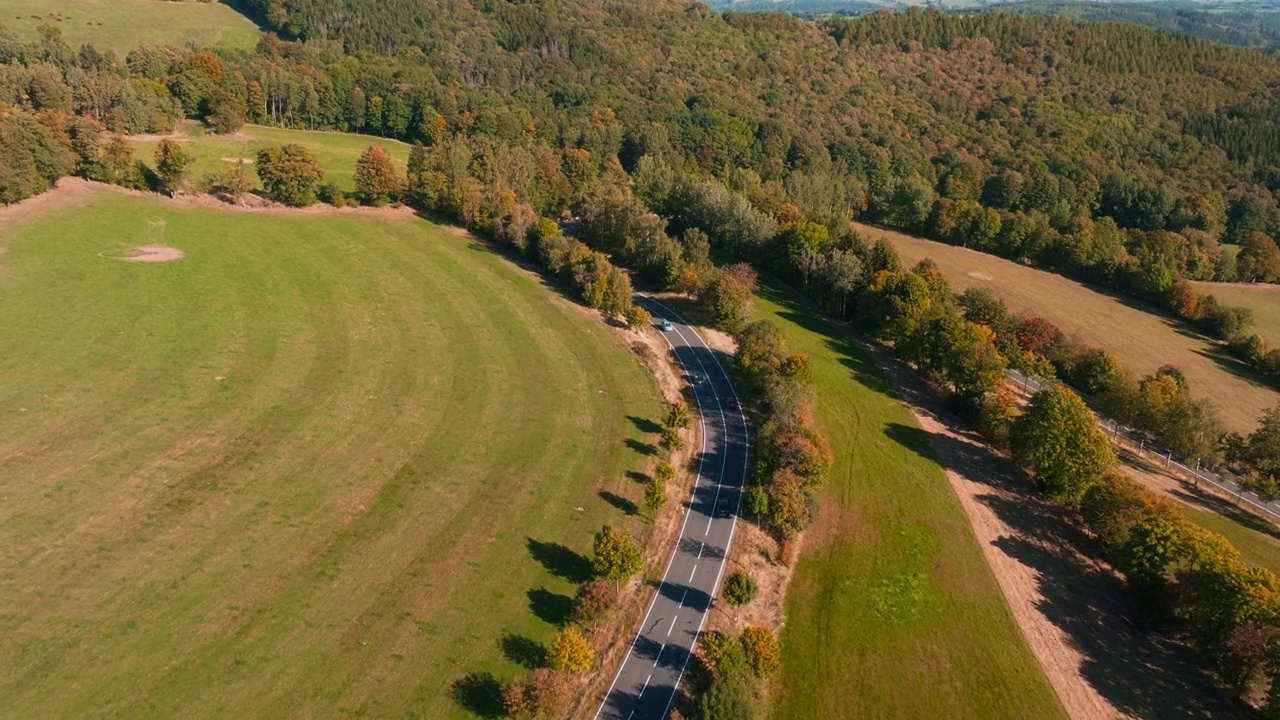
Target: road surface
[(645, 686)]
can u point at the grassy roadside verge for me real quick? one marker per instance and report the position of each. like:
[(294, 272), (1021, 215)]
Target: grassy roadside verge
[(892, 604)]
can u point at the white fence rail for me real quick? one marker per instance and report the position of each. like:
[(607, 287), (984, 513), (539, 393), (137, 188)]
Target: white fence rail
[(1218, 479)]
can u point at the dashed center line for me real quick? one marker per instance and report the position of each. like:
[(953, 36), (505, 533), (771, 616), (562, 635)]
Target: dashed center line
[(673, 625), (692, 573)]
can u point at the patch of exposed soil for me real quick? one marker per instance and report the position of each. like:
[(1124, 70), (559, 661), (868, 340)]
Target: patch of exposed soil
[(237, 160), (981, 276), (153, 254)]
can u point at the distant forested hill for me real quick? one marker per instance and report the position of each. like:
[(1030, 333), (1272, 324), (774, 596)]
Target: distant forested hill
[(1255, 26), (909, 119)]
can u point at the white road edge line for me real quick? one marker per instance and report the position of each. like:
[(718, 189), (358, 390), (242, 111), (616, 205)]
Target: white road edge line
[(671, 560), (733, 525)]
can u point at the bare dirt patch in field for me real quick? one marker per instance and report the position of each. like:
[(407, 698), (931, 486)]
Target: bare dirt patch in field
[(154, 254), (1076, 614), (237, 160)]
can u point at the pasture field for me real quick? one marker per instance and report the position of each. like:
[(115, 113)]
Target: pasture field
[(1263, 300), (1143, 340), (1257, 540), (324, 464), (893, 610), (122, 25), (335, 151)]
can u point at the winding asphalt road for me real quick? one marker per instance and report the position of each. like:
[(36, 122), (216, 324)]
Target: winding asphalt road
[(645, 686)]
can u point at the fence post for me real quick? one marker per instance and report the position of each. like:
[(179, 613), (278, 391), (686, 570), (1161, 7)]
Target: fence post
[(1169, 460)]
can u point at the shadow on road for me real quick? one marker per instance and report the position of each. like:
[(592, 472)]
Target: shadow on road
[(686, 596), (561, 561)]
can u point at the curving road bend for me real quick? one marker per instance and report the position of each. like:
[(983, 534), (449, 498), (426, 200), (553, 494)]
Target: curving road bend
[(645, 686)]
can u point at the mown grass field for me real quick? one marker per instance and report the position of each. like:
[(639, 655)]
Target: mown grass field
[(321, 465), (336, 152), (1263, 300), (122, 25), (1142, 340), (893, 611)]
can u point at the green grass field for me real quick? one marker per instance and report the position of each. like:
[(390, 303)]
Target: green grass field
[(295, 473), (893, 611), (336, 152), (122, 25), (1142, 340), (1263, 300), (1257, 540)]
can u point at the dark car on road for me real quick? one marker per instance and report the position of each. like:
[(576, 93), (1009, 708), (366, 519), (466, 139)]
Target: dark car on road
[(731, 403)]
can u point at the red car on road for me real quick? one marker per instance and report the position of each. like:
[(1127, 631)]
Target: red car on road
[(731, 403)]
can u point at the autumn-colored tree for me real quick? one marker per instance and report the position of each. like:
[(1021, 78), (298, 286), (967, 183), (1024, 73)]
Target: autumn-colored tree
[(671, 439), (237, 180), (377, 180), (171, 163), (719, 653), (541, 695), (665, 472), (289, 174), (638, 318), (1259, 259), (570, 651), (791, 507), (678, 415), (894, 304), (1038, 335), (117, 159), (761, 348), (686, 281), (797, 367), (594, 600), (655, 495), (762, 650), (727, 297), (616, 555), (800, 448), (1058, 439), (994, 416)]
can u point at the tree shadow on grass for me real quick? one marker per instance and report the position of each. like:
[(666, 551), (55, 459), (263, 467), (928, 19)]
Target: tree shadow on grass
[(1213, 503), (525, 652), (561, 561), (619, 502), (1143, 674), (645, 425), (648, 449), (479, 693), (637, 477), (550, 607)]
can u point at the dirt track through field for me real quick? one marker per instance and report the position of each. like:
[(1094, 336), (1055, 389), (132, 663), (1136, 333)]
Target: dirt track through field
[(1075, 612)]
